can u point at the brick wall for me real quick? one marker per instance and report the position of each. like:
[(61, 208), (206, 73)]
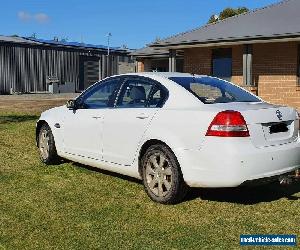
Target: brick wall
[(237, 64), (275, 72), (197, 61), (147, 65)]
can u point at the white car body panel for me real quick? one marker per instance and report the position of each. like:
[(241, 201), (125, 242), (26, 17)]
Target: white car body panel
[(109, 166), (53, 116), (113, 142), (79, 130), (126, 137)]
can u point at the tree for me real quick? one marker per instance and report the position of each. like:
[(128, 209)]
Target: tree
[(213, 19), (227, 12), (241, 10)]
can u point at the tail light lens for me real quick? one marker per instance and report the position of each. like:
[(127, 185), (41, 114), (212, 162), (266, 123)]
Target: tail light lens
[(228, 123)]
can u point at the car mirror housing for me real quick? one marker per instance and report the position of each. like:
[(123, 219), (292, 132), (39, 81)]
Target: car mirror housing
[(71, 104)]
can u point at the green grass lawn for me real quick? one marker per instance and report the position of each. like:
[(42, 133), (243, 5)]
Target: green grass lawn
[(70, 206)]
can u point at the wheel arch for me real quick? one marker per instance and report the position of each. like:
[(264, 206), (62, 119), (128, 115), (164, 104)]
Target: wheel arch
[(39, 125), (146, 145)]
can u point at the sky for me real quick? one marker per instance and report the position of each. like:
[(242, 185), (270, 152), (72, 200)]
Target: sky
[(133, 23)]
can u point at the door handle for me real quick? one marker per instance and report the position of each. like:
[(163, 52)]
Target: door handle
[(142, 116), (96, 117)]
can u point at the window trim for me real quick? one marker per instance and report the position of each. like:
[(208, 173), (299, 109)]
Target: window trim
[(95, 85), (137, 77)]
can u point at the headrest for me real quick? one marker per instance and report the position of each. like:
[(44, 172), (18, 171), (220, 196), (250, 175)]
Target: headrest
[(138, 93)]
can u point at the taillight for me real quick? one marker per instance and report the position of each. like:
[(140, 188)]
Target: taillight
[(228, 123)]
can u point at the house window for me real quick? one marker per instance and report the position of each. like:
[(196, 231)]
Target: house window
[(222, 63)]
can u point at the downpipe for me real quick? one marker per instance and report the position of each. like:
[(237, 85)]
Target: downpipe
[(286, 180)]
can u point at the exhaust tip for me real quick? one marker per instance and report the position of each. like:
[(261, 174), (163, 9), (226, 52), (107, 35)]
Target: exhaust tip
[(285, 180)]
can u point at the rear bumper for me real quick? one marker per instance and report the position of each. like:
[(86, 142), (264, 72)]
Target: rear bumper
[(266, 180), (231, 162)]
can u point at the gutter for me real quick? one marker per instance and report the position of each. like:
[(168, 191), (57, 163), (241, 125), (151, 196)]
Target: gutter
[(208, 43)]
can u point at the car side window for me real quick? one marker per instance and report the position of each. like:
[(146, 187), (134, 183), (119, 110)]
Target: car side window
[(100, 96), (140, 93), (157, 97)]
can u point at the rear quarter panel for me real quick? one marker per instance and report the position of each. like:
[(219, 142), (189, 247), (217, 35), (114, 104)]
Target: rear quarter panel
[(180, 129)]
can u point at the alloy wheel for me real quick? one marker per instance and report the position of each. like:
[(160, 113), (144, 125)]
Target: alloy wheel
[(159, 175), (44, 144)]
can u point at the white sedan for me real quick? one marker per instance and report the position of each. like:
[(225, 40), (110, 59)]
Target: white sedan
[(173, 130)]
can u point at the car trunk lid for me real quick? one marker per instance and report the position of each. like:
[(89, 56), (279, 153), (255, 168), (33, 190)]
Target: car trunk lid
[(268, 124)]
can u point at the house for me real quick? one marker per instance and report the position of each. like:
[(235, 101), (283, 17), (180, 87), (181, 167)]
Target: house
[(29, 65), (150, 59), (258, 50)]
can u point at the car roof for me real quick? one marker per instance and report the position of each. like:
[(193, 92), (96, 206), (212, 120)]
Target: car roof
[(165, 74)]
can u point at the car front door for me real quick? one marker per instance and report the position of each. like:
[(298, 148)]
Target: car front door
[(124, 126), (82, 128)]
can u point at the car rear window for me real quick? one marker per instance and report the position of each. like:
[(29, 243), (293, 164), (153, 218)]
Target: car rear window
[(211, 90)]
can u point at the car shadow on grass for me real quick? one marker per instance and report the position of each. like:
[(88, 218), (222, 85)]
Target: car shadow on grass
[(106, 172), (247, 195), (17, 118)]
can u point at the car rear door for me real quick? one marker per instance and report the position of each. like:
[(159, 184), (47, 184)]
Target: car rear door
[(124, 126)]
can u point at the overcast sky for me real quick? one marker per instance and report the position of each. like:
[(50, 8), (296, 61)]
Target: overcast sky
[(131, 22)]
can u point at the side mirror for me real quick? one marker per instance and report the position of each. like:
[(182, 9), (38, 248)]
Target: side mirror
[(71, 104)]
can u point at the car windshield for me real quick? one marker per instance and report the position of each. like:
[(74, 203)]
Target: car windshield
[(211, 90)]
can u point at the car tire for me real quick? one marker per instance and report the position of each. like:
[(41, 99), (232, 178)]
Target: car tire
[(46, 145), (162, 176)]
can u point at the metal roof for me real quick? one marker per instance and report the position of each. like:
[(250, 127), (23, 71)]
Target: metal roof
[(35, 41), (17, 39), (71, 44), (280, 20)]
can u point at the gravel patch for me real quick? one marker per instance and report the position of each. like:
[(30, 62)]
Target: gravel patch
[(33, 103)]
